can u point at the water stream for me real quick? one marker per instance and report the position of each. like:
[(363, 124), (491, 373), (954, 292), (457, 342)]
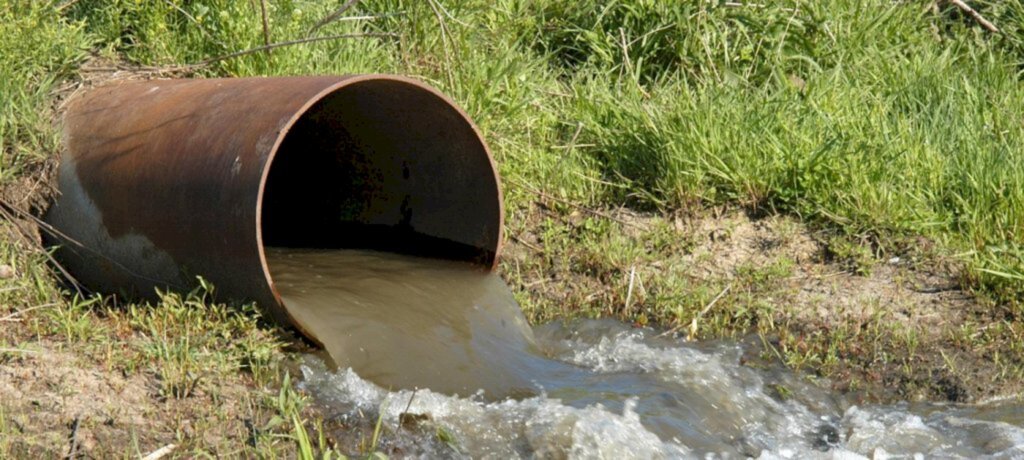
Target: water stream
[(487, 386)]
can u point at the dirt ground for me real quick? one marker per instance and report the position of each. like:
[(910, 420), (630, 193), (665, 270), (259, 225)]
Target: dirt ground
[(59, 404), (898, 327)]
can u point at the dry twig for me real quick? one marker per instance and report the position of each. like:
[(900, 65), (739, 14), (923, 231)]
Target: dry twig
[(526, 243), (266, 24), (7, 212), (629, 292), (73, 450), (66, 5), (333, 16), (693, 322), (975, 15), (160, 453), (446, 43), (53, 231), (13, 316), (283, 44)]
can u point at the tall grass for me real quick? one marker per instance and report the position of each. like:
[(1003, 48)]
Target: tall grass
[(880, 120), (39, 49)]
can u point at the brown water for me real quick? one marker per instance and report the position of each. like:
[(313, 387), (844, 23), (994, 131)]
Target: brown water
[(407, 322), (588, 389)]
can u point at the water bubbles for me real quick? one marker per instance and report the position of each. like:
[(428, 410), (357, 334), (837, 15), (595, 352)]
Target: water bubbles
[(643, 399), (590, 389)]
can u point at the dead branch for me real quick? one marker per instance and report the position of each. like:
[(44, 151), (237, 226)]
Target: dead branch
[(53, 231), (161, 452), (266, 24), (73, 449), (333, 16), (13, 316), (7, 212), (271, 46), (526, 243), (445, 42), (975, 15), (694, 322)]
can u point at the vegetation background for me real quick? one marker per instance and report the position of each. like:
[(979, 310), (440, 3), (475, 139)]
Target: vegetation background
[(884, 130)]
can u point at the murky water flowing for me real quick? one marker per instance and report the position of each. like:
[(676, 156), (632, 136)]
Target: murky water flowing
[(489, 387)]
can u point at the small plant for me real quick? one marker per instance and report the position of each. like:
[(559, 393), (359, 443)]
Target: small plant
[(74, 321), (290, 406), (851, 255)]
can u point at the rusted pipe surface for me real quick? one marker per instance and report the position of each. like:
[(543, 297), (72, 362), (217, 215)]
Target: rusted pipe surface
[(166, 180)]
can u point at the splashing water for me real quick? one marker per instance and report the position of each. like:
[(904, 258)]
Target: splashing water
[(591, 389)]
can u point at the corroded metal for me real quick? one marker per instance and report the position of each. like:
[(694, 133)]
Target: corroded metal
[(166, 180)]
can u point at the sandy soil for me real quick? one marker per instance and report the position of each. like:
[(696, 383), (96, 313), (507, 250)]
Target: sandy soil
[(57, 404)]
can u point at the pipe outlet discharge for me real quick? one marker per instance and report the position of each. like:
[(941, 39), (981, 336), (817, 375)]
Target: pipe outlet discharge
[(163, 181)]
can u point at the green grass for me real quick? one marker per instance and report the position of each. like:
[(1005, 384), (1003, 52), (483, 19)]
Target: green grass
[(886, 126), (882, 120), (876, 120), (183, 358), (40, 50)]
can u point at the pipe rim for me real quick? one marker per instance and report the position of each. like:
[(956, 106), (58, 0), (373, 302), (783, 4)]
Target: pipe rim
[(344, 82)]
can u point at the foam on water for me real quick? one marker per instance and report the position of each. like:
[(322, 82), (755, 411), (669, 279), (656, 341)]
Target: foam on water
[(601, 389), (533, 427), (730, 409)]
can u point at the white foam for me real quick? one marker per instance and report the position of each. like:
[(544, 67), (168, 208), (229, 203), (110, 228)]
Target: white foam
[(722, 409), (538, 426)]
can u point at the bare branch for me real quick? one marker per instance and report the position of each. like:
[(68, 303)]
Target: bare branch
[(266, 25), (7, 212), (287, 43), (333, 16), (14, 316), (161, 452), (444, 43), (977, 16)]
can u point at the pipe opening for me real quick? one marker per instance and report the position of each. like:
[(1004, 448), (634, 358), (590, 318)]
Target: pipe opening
[(384, 164)]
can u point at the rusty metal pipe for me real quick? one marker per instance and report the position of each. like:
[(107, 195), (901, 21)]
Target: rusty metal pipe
[(166, 180)]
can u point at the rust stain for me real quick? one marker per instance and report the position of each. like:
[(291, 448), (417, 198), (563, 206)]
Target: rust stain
[(177, 171)]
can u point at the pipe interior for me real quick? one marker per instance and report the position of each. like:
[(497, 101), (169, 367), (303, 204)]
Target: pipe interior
[(383, 165)]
